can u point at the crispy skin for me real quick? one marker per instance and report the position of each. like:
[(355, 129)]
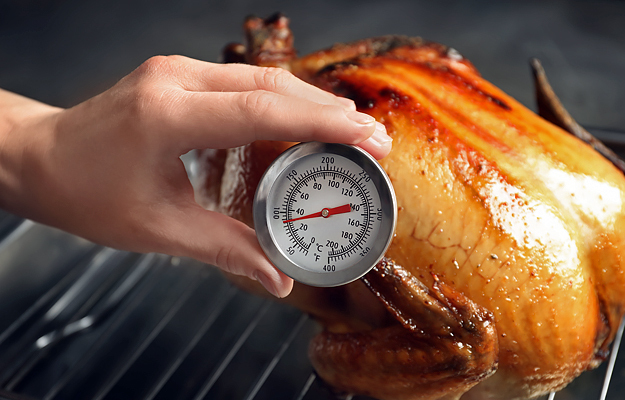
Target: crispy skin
[(511, 215), (444, 344)]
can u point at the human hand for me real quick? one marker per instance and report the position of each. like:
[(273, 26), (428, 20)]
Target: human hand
[(109, 169)]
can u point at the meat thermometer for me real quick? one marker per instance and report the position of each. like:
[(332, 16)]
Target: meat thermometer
[(325, 213)]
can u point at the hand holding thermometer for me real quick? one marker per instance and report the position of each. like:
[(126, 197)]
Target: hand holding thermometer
[(325, 213)]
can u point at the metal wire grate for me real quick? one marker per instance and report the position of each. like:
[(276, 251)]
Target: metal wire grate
[(79, 321), (127, 326)]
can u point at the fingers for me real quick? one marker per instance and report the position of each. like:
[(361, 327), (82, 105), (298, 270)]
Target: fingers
[(379, 143), (201, 76), (226, 243), (221, 120), (220, 106), (276, 80)]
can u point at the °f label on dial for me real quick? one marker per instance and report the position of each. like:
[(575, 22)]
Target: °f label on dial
[(325, 212)]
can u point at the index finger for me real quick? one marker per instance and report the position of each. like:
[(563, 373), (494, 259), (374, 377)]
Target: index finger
[(224, 120), (200, 76)]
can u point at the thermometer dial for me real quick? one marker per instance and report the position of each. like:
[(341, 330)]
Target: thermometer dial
[(325, 213)]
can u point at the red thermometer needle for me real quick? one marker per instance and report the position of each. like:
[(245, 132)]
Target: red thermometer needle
[(325, 213)]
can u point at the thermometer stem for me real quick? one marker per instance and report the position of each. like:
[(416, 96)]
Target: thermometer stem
[(325, 213)]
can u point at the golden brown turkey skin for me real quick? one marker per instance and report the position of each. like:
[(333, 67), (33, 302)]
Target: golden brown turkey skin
[(495, 204)]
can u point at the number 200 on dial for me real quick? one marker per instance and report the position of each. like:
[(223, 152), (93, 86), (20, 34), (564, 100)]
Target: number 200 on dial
[(325, 213)]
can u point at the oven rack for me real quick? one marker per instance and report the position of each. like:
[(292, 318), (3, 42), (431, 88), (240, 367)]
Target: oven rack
[(107, 324)]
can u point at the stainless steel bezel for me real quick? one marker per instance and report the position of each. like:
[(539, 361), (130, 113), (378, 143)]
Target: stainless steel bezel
[(262, 214)]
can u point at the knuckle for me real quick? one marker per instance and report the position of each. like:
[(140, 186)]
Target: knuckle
[(159, 65), (273, 78), (257, 104), (148, 94), (176, 59), (157, 69), (224, 259), (147, 102)]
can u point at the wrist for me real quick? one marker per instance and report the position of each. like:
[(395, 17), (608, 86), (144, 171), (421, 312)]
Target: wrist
[(26, 129)]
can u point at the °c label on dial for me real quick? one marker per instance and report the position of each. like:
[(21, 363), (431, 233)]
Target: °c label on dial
[(325, 213)]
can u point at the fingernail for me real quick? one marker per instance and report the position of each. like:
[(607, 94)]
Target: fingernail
[(360, 118), (380, 138), (347, 103), (266, 282)]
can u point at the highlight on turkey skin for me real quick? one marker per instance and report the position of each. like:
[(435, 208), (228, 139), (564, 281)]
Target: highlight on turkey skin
[(505, 278)]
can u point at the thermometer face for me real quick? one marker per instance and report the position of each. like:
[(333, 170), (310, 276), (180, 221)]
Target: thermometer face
[(325, 213)]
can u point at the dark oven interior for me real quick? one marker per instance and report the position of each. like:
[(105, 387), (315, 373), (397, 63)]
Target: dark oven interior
[(79, 321)]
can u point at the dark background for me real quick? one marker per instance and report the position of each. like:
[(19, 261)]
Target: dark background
[(64, 51)]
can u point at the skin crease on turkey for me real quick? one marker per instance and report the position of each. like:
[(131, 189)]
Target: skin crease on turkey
[(505, 278)]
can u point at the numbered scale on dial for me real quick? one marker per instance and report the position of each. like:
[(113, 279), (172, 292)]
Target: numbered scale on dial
[(325, 213)]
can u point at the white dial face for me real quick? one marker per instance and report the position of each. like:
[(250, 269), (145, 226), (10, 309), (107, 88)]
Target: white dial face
[(325, 213)]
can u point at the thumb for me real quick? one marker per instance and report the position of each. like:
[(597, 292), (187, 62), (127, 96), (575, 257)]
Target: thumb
[(228, 244)]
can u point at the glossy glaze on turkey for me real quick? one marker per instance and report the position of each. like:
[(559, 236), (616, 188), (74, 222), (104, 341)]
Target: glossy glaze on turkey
[(506, 275)]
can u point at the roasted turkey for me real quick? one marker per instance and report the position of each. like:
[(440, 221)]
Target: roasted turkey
[(505, 279)]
